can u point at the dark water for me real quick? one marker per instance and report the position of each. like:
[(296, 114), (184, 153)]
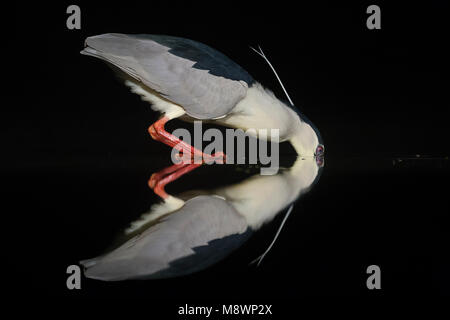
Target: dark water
[(78, 158), (361, 212)]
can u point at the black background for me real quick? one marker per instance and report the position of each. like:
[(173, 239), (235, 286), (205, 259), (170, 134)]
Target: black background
[(78, 156)]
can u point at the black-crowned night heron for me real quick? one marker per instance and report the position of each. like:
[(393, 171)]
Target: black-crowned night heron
[(187, 79), (195, 229)]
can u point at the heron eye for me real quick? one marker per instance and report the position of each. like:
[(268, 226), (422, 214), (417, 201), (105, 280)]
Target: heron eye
[(319, 150)]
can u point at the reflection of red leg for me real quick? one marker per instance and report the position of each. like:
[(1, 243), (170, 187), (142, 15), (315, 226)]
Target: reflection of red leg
[(157, 176), (158, 133), (161, 178)]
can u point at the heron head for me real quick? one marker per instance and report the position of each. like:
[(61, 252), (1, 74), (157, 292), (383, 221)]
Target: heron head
[(307, 142)]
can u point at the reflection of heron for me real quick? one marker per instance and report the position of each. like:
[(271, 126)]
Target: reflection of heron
[(187, 79), (195, 229)]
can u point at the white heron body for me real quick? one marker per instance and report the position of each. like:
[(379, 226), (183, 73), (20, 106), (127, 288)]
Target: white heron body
[(255, 111), (185, 78), (260, 109)]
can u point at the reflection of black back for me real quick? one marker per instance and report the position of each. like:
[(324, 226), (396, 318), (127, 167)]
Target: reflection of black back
[(204, 256), (203, 231)]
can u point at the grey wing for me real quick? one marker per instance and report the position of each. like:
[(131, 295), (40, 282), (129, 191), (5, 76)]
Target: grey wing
[(199, 234), (206, 83)]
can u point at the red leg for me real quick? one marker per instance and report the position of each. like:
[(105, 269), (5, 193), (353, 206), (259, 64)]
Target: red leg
[(158, 133), (161, 178), (157, 176)]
